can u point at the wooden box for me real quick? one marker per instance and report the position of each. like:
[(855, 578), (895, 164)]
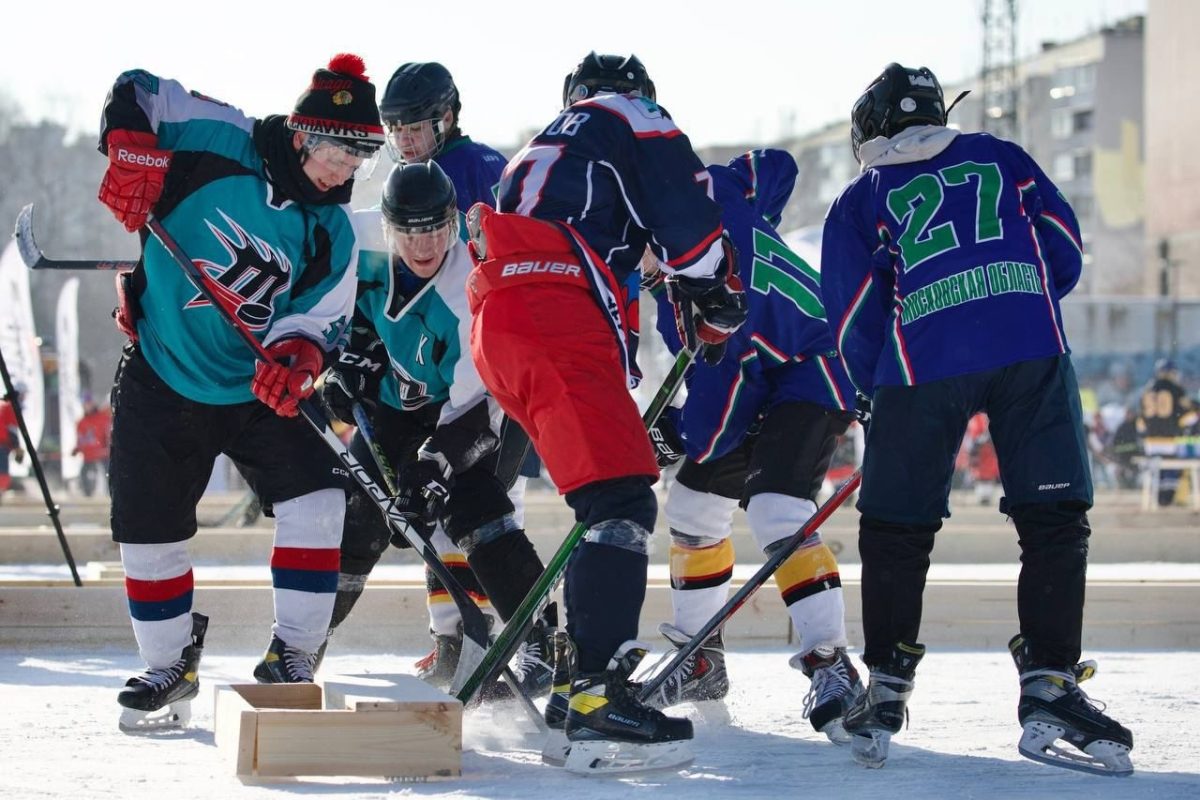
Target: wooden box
[(392, 726)]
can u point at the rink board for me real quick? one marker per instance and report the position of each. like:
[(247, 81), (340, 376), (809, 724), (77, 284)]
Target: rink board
[(390, 726)]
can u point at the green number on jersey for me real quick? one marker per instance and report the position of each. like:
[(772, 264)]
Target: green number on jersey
[(766, 276)]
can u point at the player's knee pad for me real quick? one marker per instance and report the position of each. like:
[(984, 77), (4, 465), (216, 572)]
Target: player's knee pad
[(774, 517), (698, 519), (1051, 524), (486, 533), (155, 562), (623, 533), (882, 541), (620, 499), (311, 520)]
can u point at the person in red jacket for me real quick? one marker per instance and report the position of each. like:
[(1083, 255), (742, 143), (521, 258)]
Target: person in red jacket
[(10, 442), (92, 434)]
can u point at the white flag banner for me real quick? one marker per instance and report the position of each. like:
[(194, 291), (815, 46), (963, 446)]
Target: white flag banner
[(70, 400), (19, 343)]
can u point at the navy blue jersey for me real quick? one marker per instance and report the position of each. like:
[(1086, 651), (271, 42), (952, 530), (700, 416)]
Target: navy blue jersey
[(784, 352), (617, 169), (473, 168), (948, 255)]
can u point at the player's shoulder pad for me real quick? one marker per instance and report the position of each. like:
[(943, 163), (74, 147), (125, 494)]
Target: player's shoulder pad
[(645, 117)]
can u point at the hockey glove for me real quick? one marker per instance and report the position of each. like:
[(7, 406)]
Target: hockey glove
[(126, 313), (288, 379), (862, 410), (720, 303), (355, 378), (135, 176), (668, 445), (423, 490)]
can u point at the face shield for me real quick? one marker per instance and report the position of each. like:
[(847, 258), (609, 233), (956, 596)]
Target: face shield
[(340, 159), (412, 142), (421, 248)]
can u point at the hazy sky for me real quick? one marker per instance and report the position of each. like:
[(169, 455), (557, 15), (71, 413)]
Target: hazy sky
[(727, 71)]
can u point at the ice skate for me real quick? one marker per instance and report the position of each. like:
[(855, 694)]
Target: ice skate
[(556, 747), (438, 667), (882, 709), (1061, 725), (612, 733), (700, 677), (285, 664), (835, 687), (532, 665), (161, 697)]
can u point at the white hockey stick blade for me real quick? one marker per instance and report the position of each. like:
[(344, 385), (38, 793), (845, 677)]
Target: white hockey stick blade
[(168, 718), (556, 749), (1039, 742), (31, 254), (623, 759), (468, 660)]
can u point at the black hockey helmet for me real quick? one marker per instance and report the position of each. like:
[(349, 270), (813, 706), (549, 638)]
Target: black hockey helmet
[(899, 98), (419, 91), (418, 197), (606, 73)]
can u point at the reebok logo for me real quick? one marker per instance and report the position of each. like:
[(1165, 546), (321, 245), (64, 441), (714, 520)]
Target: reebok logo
[(537, 267), (142, 159)]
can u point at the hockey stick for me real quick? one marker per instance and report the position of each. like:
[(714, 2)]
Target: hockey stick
[(518, 625), (475, 628), (751, 586), (367, 432), (34, 258), (10, 394)]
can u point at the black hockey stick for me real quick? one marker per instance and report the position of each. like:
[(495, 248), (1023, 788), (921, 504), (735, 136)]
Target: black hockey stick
[(475, 628), (34, 258), (751, 586), (367, 431), (518, 625), (52, 508)]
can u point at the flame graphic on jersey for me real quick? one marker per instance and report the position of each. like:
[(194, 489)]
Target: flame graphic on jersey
[(248, 283)]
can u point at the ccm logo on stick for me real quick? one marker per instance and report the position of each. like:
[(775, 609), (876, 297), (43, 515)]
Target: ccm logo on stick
[(534, 267), (143, 160)]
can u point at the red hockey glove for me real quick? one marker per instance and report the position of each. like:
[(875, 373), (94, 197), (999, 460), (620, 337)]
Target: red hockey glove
[(283, 385), (125, 314), (720, 303), (134, 180)]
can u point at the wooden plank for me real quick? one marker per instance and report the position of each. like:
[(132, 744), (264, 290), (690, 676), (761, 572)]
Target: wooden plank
[(303, 696), (235, 728), (389, 743)]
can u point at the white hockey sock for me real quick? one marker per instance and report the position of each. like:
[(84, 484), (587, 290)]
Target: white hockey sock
[(159, 585), (304, 566)]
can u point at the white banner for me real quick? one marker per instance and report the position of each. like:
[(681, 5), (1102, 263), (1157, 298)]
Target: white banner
[(70, 401), (19, 343)]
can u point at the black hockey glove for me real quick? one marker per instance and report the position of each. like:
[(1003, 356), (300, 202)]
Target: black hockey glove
[(862, 410), (668, 445), (423, 490), (355, 378), (719, 303)]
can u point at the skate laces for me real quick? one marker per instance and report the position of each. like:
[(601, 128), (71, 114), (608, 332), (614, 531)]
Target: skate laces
[(528, 659), (671, 691), (300, 664), (162, 677), (829, 682)]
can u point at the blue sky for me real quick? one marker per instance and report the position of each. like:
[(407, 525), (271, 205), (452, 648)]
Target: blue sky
[(727, 71)]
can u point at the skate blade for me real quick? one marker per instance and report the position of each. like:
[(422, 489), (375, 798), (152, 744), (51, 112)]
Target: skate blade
[(836, 732), (168, 718), (870, 749), (556, 749), (599, 758), (1039, 743)]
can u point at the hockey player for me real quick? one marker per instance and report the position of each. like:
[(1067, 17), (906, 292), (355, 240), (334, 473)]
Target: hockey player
[(420, 109), (260, 205), (578, 205), (943, 265), (409, 362), (758, 429)]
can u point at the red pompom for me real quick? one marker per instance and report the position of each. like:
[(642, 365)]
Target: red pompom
[(348, 64)]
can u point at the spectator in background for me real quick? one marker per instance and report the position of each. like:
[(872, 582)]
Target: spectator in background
[(1167, 412), (92, 434), (10, 440), (1118, 387), (1125, 445)]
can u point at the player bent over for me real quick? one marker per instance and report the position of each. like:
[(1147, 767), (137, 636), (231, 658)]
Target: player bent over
[(758, 430), (260, 205), (943, 265), (409, 362)]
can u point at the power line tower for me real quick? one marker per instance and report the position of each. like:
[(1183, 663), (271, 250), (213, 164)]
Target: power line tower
[(998, 77)]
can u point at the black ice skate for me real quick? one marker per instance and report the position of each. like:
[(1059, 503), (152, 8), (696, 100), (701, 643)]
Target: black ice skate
[(1053, 708), (611, 732), (532, 665), (835, 687), (172, 688), (882, 709), (437, 668), (700, 677), (285, 664)]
